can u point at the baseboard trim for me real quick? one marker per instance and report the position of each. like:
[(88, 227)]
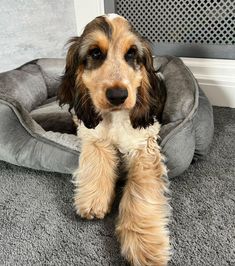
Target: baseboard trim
[(216, 77)]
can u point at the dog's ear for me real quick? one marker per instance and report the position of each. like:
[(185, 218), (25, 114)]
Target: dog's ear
[(151, 95), (72, 91), (84, 107), (66, 92)]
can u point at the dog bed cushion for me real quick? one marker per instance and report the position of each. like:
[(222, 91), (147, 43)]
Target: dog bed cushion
[(35, 132)]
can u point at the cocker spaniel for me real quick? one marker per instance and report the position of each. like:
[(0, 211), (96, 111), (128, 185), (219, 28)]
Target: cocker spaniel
[(111, 84)]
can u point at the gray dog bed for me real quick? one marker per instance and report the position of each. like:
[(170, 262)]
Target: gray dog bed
[(35, 132)]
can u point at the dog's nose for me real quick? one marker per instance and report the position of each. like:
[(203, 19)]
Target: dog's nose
[(116, 96)]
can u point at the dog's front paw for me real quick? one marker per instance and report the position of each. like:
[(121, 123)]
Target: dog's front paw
[(92, 206)]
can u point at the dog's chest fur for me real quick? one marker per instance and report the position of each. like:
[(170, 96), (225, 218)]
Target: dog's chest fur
[(117, 130)]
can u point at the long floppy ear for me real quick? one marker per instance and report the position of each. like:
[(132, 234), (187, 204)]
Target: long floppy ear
[(83, 105), (66, 92), (72, 91), (151, 94)]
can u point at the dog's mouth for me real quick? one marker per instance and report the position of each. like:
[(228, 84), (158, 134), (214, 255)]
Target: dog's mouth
[(116, 108), (112, 108), (108, 107)]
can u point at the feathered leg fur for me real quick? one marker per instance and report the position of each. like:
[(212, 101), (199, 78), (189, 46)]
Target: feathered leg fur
[(95, 179), (144, 210)]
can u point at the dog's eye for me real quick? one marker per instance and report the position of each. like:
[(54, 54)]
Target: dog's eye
[(131, 54), (96, 54)]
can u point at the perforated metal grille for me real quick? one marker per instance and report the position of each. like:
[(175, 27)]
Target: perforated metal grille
[(182, 21)]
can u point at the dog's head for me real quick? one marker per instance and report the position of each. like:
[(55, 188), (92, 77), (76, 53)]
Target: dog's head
[(108, 68)]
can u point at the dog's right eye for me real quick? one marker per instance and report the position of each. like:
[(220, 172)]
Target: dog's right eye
[(96, 54)]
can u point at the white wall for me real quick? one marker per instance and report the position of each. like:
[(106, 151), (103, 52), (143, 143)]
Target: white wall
[(30, 29), (86, 10)]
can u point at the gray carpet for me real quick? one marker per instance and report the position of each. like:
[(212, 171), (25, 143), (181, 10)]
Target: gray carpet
[(38, 225)]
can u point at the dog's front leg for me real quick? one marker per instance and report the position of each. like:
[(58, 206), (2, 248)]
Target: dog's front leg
[(95, 179), (144, 210)]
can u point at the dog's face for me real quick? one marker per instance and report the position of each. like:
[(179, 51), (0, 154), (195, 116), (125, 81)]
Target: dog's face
[(110, 68)]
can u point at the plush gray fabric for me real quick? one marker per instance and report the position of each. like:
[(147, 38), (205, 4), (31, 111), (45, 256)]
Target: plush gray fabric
[(26, 85), (49, 68), (51, 117), (23, 142), (38, 225), (27, 95)]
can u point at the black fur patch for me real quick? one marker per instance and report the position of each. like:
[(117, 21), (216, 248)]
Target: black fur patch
[(85, 109), (100, 24), (94, 63)]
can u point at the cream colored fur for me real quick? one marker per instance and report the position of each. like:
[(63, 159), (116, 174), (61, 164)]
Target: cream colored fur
[(144, 210), (117, 129)]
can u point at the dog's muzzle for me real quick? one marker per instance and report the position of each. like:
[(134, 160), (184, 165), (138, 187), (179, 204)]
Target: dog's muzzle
[(116, 96)]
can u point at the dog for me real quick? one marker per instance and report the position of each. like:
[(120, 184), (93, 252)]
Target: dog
[(118, 99)]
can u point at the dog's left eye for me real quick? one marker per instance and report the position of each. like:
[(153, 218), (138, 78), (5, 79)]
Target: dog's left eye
[(131, 54), (96, 54)]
